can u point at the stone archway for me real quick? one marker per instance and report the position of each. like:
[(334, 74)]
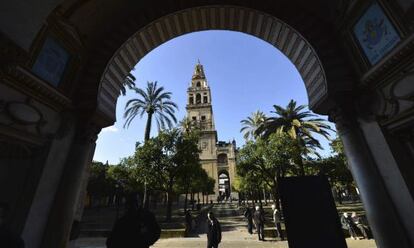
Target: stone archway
[(307, 39), (278, 33), (224, 184), (107, 38)]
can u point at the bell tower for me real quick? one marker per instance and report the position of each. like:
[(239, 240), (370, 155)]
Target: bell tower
[(199, 110)]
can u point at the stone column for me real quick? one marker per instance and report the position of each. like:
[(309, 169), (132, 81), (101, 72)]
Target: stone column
[(390, 171), (383, 219), (64, 207)]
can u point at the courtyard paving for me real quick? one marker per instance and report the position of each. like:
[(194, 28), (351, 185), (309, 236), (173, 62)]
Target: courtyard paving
[(235, 235)]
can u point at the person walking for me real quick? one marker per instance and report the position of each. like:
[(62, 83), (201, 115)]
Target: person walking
[(188, 222), (213, 231), (277, 221), (249, 216), (349, 225), (259, 221), (138, 228)]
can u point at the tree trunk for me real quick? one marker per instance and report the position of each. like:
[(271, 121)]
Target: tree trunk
[(192, 201), (185, 201), (146, 137), (276, 196), (169, 206), (165, 199), (148, 127), (302, 167), (145, 198)]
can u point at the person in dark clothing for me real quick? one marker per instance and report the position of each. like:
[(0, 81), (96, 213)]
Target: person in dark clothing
[(188, 220), (359, 223), (8, 238), (138, 228), (213, 231), (249, 216), (259, 221), (349, 225)]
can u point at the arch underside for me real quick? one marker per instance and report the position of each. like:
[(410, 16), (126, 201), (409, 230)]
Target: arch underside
[(264, 26)]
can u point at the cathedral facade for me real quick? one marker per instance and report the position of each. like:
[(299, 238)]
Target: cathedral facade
[(218, 158)]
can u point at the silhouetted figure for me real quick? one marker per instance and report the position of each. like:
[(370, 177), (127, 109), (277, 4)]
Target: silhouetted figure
[(259, 221), (138, 228), (75, 230), (8, 238), (213, 231), (261, 208), (349, 225), (277, 220), (188, 221), (249, 216), (363, 227)]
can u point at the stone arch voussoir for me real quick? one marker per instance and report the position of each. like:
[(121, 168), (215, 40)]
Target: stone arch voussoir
[(233, 18)]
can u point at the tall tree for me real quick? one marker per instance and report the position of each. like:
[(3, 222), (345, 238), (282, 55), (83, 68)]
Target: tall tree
[(251, 124), (161, 160), (300, 124), (263, 162), (187, 125), (153, 101)]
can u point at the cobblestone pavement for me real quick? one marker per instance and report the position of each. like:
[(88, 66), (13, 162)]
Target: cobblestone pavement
[(235, 235)]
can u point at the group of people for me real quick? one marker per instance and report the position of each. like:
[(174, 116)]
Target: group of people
[(213, 228), (139, 228), (257, 219), (355, 225)]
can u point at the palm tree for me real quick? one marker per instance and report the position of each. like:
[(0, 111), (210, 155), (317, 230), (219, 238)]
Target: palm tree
[(188, 125), (300, 125), (129, 82), (251, 124), (153, 101)]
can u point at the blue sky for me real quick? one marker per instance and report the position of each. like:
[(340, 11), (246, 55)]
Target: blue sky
[(245, 74)]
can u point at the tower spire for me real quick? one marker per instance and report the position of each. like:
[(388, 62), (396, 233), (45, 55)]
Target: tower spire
[(199, 71)]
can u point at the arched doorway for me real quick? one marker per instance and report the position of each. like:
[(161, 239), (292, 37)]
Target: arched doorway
[(224, 184), (119, 33)]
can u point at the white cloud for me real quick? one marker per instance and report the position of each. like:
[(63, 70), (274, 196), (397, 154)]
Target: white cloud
[(111, 129)]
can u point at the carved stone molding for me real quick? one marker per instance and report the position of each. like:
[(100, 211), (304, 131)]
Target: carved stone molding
[(10, 149), (396, 100), (24, 81), (88, 133), (402, 55), (344, 119)]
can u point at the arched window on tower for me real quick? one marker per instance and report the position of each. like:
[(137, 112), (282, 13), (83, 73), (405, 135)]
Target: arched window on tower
[(205, 100), (198, 84), (198, 98), (191, 99)]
